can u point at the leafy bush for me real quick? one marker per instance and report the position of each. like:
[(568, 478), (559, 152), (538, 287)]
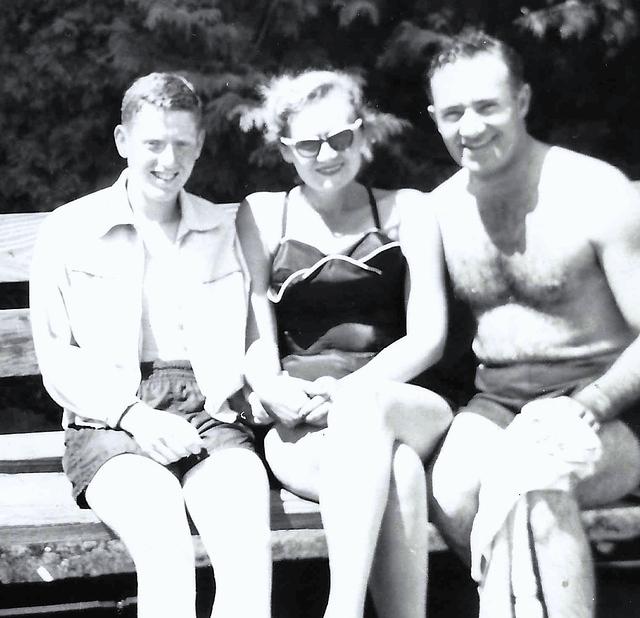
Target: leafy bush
[(65, 64)]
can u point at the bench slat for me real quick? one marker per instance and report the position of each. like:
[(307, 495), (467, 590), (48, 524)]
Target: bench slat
[(17, 236), (17, 356), (31, 452)]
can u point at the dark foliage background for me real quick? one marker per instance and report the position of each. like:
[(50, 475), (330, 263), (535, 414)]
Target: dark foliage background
[(65, 64)]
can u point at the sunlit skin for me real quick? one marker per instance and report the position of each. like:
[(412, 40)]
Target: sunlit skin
[(541, 242), (480, 114), (161, 147), (329, 171)]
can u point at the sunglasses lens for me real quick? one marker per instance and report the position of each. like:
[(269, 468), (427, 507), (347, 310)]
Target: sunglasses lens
[(308, 147), (341, 141)]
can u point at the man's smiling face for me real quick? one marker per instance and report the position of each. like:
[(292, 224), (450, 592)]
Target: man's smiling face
[(161, 147), (479, 112)]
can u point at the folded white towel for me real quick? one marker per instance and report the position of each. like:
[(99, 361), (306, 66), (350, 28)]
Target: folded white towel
[(545, 446)]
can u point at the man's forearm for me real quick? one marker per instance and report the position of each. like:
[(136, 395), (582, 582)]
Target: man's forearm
[(617, 389)]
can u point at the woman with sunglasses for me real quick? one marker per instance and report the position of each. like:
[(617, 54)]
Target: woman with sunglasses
[(332, 346)]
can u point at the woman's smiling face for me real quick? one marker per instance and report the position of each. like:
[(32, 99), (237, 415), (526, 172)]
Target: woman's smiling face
[(329, 170)]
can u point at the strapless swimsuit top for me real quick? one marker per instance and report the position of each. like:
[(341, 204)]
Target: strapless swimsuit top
[(335, 312)]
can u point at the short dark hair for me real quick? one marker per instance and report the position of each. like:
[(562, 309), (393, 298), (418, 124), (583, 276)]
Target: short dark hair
[(472, 42), (163, 90)]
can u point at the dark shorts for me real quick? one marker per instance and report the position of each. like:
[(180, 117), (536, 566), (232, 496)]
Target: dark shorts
[(169, 386), (504, 389)]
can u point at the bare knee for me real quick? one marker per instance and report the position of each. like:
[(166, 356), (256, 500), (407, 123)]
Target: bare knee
[(408, 479), (455, 472), (249, 473), (391, 411), (552, 513), (358, 407), (618, 470), (294, 457), (143, 502)]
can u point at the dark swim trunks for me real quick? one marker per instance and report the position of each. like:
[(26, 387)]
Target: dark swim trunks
[(169, 386), (508, 387)]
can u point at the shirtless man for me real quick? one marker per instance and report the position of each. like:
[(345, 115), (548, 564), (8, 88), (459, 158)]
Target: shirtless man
[(544, 245)]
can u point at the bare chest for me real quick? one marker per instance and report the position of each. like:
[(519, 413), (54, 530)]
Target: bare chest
[(539, 269)]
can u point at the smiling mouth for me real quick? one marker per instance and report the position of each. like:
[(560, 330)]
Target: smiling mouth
[(165, 176), (472, 147), (329, 170)]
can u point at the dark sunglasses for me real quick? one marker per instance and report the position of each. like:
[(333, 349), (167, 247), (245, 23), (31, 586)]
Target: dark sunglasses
[(339, 141)]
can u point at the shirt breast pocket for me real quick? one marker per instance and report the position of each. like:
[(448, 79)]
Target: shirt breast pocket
[(98, 303)]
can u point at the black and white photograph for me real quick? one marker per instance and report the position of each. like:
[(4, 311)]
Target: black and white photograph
[(320, 309)]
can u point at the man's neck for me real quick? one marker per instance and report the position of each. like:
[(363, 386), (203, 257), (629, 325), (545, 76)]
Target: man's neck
[(159, 212), (516, 176)]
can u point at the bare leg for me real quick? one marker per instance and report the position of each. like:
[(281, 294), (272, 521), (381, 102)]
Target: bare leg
[(563, 555), (454, 477), (455, 482), (350, 467), (558, 541), (294, 456), (562, 549), (227, 496), (398, 581), (355, 490), (142, 502)]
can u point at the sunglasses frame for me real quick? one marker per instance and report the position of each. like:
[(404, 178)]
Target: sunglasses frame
[(293, 143)]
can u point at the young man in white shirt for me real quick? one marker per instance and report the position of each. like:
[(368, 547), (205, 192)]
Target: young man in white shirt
[(138, 305)]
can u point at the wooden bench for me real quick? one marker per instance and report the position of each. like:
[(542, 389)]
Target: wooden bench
[(44, 536)]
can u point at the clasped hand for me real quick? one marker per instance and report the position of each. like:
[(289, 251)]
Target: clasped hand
[(163, 436), (292, 401)]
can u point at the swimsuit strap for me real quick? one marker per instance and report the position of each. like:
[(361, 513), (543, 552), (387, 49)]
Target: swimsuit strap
[(372, 203), (374, 208), (285, 208)]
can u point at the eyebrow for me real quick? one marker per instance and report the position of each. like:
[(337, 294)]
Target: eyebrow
[(474, 103)]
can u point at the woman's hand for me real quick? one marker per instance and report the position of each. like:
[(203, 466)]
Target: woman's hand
[(284, 398), (321, 392)]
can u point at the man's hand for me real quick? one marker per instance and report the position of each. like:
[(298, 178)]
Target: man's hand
[(163, 436), (563, 427)]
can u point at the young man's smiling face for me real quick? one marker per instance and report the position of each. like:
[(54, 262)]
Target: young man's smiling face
[(479, 112), (161, 147)]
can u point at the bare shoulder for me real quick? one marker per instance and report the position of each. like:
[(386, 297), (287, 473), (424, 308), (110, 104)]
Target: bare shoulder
[(261, 214), (451, 194), (394, 206), (596, 193), (568, 171)]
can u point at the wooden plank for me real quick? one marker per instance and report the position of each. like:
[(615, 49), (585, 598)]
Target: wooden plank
[(31, 452), (17, 356), (38, 506), (17, 236)]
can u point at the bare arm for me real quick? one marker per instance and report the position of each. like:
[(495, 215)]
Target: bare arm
[(423, 344), (617, 243), (283, 395)]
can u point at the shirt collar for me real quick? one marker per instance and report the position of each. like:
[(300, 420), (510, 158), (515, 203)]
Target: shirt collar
[(196, 214)]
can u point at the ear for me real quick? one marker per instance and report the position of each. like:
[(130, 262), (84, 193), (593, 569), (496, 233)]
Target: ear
[(285, 152), (120, 137), (200, 142), (523, 99), (432, 112)]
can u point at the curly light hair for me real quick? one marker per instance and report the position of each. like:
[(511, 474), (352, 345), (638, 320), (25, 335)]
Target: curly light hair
[(287, 94)]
